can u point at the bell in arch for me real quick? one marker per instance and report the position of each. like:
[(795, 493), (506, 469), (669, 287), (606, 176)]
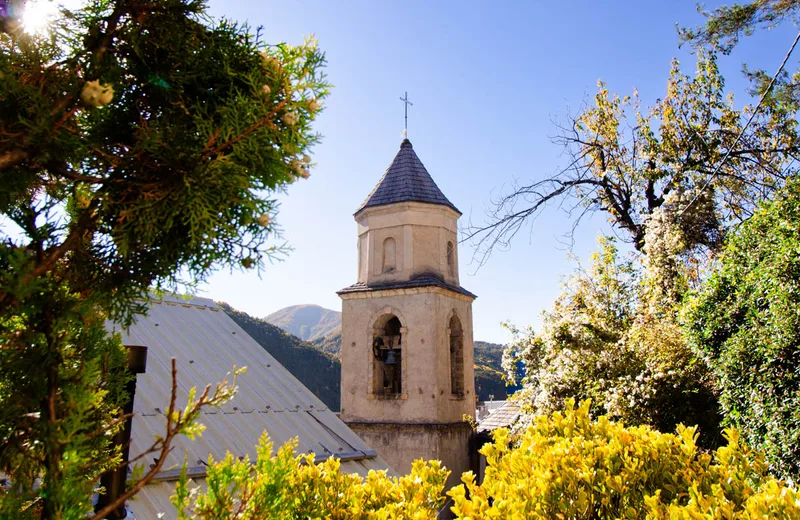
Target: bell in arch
[(390, 357)]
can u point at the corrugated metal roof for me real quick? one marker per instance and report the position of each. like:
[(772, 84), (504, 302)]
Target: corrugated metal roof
[(502, 417), (406, 179), (207, 344)]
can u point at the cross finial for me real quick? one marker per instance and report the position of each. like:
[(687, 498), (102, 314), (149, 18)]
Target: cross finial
[(406, 102)]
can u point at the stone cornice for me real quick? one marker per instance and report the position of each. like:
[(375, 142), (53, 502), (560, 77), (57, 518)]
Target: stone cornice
[(367, 292)]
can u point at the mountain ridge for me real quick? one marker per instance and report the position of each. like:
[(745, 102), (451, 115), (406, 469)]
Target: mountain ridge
[(318, 371), (308, 322)]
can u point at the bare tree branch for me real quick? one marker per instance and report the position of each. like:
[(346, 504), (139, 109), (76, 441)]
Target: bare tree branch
[(678, 146)]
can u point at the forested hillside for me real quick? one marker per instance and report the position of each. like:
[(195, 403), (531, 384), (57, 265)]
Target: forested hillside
[(489, 381), (318, 371), (332, 343)]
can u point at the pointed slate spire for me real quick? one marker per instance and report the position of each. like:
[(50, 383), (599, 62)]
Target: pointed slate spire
[(406, 179)]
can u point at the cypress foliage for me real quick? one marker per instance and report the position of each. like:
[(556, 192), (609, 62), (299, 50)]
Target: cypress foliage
[(141, 143)]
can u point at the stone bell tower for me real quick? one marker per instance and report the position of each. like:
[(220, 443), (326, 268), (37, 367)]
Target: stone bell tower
[(407, 351)]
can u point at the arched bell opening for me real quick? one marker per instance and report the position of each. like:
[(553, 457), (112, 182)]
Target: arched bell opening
[(456, 333), (387, 353)]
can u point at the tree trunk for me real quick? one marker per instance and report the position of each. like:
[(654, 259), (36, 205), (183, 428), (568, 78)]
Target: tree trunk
[(54, 455)]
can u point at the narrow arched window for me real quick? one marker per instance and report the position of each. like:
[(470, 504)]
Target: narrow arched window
[(456, 357), (387, 350), (389, 254), (451, 259)]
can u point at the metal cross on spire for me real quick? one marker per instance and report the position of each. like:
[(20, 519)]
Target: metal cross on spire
[(406, 102)]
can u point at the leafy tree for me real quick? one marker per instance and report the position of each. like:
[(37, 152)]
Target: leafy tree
[(684, 154), (567, 465), (140, 145), (745, 322), (606, 340), (728, 23), (672, 179)]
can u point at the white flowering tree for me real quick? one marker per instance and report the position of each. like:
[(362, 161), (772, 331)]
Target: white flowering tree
[(610, 337), (671, 180), (141, 145)]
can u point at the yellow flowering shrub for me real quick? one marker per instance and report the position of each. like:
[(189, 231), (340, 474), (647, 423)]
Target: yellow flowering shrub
[(284, 486), (568, 466), (564, 466)]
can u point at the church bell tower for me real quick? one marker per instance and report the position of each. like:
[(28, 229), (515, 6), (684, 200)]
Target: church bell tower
[(407, 348)]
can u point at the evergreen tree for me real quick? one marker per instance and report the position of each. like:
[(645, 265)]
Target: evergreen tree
[(141, 143)]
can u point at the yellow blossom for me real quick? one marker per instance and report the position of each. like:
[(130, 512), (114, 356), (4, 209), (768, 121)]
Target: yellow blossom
[(96, 95)]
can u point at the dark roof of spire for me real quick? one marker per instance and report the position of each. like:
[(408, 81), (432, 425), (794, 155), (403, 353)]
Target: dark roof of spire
[(406, 179)]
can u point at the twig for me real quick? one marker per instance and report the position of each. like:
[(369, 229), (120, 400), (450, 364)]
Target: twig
[(247, 131), (163, 446)]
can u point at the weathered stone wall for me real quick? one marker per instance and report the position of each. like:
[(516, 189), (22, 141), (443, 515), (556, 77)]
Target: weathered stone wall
[(400, 445), (421, 233), (424, 314), (425, 419)]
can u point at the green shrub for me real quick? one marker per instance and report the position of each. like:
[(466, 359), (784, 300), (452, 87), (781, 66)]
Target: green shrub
[(565, 465), (286, 486), (746, 322)]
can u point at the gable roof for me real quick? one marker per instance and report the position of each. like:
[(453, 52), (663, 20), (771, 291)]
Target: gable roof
[(405, 180), (207, 344)]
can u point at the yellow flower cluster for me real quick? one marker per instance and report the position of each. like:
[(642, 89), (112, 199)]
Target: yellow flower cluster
[(284, 486), (569, 466), (565, 466)]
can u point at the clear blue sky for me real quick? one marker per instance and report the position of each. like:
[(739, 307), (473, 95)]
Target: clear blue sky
[(486, 80)]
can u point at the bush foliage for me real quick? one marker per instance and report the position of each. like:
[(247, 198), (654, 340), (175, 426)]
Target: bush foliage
[(566, 465), (286, 486), (603, 340), (746, 321)]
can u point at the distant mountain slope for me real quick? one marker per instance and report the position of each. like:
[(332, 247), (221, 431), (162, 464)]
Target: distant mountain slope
[(332, 343), (318, 371), (307, 322)]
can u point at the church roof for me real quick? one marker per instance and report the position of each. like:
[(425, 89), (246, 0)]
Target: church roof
[(423, 280), (406, 180)]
